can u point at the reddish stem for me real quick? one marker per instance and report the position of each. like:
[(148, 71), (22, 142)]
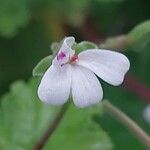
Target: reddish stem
[(137, 87), (88, 31), (52, 127)]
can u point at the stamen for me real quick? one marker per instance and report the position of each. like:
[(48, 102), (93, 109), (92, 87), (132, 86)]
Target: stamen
[(74, 58)]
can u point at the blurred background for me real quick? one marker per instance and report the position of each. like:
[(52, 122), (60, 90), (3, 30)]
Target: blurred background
[(28, 27)]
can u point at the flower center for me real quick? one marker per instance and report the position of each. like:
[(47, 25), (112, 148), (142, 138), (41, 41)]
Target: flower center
[(73, 59), (64, 58)]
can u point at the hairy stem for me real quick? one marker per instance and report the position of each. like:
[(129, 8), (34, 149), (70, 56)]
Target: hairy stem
[(127, 122), (51, 128)]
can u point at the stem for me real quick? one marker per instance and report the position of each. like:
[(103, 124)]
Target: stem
[(135, 86), (128, 122), (117, 43), (51, 128)]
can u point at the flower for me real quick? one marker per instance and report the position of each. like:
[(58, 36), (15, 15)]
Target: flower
[(75, 75)]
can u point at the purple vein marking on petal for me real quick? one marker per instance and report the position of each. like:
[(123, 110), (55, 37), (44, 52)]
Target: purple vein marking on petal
[(61, 55)]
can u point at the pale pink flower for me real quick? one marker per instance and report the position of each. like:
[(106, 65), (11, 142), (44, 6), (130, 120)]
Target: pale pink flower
[(75, 75)]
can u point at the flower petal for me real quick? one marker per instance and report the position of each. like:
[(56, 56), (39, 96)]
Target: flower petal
[(67, 44), (108, 65), (55, 85), (86, 88), (65, 52)]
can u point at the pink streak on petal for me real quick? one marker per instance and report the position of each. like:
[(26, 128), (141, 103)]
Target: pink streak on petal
[(61, 55)]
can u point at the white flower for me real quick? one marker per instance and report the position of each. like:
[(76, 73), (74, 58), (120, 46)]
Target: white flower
[(76, 75), (146, 113)]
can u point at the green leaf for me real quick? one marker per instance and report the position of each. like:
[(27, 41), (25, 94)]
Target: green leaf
[(23, 118), (42, 66), (13, 15), (139, 37), (78, 131), (55, 46), (84, 46)]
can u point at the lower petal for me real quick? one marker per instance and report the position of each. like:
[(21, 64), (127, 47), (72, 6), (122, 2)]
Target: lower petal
[(55, 85), (86, 88)]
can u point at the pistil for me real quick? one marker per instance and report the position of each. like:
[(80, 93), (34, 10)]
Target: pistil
[(73, 59)]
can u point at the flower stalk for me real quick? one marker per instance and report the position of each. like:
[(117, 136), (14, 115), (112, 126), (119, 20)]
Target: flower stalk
[(127, 122), (51, 128)]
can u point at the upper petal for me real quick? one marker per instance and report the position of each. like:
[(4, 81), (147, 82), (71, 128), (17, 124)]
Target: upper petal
[(55, 85), (65, 52), (86, 88), (109, 65)]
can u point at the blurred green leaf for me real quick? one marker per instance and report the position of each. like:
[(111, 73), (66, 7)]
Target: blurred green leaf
[(42, 66), (55, 46), (139, 37), (19, 55), (109, 1), (13, 15), (23, 119), (84, 46), (78, 131), (77, 10)]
